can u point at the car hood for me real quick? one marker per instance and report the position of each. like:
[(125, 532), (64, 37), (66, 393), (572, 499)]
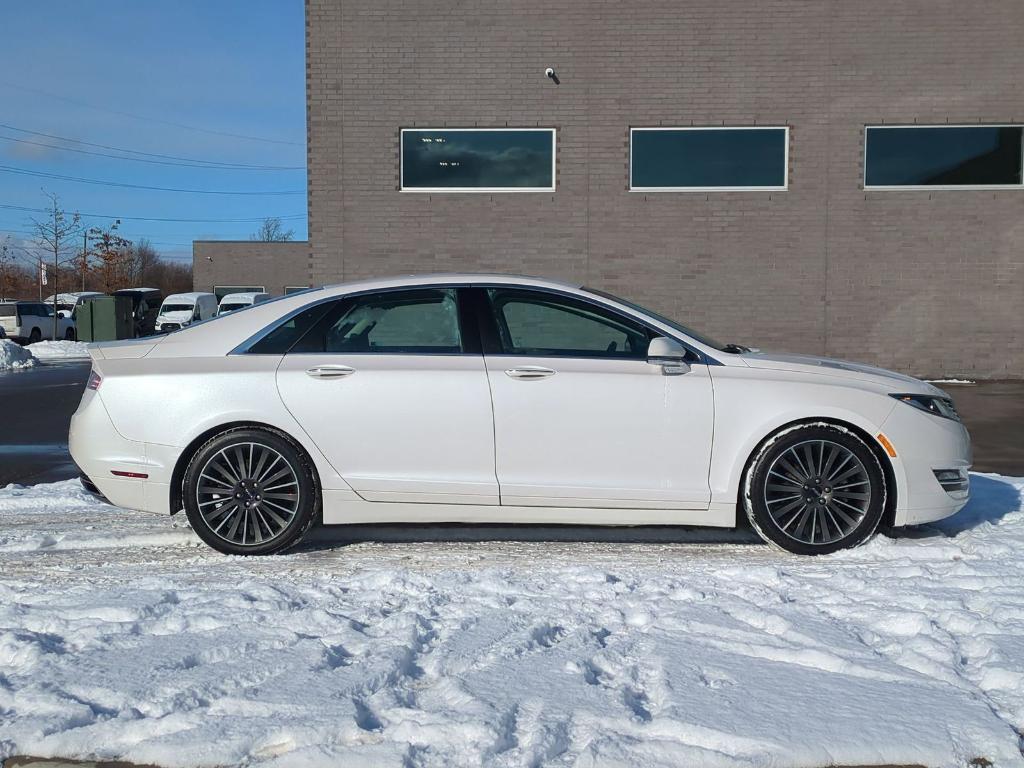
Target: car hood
[(175, 317), (895, 382)]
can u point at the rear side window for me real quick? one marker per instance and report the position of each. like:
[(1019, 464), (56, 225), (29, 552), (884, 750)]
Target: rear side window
[(547, 325), (419, 321), (281, 339)]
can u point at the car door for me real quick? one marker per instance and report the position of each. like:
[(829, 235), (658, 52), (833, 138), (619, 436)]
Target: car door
[(394, 392), (581, 418)]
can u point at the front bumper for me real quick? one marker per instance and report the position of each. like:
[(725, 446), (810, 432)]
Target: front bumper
[(924, 445)]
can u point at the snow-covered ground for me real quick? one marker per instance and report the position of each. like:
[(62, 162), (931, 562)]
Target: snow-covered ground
[(122, 637), (45, 350), (13, 355)]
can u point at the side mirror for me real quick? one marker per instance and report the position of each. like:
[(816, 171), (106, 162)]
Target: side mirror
[(669, 354)]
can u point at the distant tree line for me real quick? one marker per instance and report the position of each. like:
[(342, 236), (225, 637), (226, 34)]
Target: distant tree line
[(79, 258)]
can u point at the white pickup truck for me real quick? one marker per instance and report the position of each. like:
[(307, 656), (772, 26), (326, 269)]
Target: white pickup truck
[(31, 321)]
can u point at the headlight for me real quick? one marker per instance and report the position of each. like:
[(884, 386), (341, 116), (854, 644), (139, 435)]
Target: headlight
[(937, 406)]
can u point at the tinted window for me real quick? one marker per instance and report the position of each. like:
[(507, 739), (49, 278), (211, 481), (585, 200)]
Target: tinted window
[(281, 339), (708, 158), (544, 325), (959, 156), (477, 159), (176, 308), (8, 310), (220, 291), (395, 322)]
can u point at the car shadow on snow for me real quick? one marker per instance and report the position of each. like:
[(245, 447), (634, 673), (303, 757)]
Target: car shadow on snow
[(991, 500), (323, 537)]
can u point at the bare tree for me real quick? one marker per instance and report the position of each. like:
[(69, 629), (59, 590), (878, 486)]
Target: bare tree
[(272, 231), (7, 267), (144, 261), (113, 258), (54, 234)]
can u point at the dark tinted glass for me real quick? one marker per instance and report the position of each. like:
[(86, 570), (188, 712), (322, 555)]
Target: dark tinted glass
[(394, 322), (281, 339), (709, 157), (970, 156), (477, 159), (544, 325), (8, 310)]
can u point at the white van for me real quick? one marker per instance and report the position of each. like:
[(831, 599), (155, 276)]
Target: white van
[(181, 309), (67, 302), (234, 301)]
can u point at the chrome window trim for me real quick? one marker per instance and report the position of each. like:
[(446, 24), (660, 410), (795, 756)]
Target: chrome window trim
[(702, 358)]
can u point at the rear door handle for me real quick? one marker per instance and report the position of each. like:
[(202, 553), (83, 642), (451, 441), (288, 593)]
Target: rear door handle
[(330, 371), (529, 372)]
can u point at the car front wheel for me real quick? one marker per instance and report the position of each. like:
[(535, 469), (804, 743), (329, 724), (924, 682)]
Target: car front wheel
[(249, 492), (815, 489)]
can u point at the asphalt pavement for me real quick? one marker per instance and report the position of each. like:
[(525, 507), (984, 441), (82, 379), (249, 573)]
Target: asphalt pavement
[(36, 405)]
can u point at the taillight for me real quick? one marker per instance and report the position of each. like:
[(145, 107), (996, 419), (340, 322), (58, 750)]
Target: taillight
[(94, 380)]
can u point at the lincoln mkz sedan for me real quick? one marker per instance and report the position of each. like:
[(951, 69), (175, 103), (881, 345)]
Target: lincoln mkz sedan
[(486, 398)]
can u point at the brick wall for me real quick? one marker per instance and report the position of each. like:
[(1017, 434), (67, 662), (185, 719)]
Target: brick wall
[(245, 262), (925, 282)]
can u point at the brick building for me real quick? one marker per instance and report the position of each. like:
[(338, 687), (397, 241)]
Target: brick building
[(826, 230)]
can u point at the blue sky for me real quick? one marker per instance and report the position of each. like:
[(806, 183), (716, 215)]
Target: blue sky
[(88, 71)]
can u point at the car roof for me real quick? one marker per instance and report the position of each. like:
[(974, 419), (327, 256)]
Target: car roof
[(451, 278), (243, 295), (190, 296)]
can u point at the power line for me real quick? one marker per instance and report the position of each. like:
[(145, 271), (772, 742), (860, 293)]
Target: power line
[(105, 183), (150, 119), (289, 217), (187, 162)]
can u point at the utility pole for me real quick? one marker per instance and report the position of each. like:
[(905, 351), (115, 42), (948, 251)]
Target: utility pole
[(56, 266), (85, 255)]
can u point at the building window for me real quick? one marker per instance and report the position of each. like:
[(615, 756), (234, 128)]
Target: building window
[(295, 289), (708, 159), (942, 156), (478, 160)]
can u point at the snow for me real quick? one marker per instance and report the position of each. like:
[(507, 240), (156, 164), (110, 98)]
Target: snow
[(122, 637), (59, 349), (13, 355)]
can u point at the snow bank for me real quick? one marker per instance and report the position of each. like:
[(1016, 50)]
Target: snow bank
[(13, 355), (59, 349), (122, 638)]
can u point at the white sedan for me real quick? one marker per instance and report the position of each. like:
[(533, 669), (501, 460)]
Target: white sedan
[(486, 398)]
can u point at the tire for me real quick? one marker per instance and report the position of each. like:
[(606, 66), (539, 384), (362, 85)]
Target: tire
[(815, 489), (69, 334), (250, 492), (34, 336)]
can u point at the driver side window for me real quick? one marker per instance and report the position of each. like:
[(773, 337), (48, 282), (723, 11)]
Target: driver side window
[(542, 324)]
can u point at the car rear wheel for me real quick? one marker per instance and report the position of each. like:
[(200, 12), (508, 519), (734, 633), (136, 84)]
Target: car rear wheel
[(250, 492), (69, 334), (34, 336), (815, 489)]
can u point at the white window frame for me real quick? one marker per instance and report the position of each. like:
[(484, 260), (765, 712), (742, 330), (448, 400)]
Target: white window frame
[(295, 289), (474, 190), (785, 157), (934, 187)]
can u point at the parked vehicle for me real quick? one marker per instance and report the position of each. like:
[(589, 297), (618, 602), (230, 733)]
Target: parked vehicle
[(31, 321), (145, 304), (234, 301), (484, 398), (181, 309), (67, 302)]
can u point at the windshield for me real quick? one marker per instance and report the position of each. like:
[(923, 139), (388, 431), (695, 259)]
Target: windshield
[(175, 308), (231, 307), (706, 340)]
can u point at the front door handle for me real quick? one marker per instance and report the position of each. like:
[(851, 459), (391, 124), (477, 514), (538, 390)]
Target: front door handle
[(529, 372), (330, 371)]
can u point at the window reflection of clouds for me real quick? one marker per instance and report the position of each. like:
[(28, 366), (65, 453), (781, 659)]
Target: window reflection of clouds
[(477, 159)]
